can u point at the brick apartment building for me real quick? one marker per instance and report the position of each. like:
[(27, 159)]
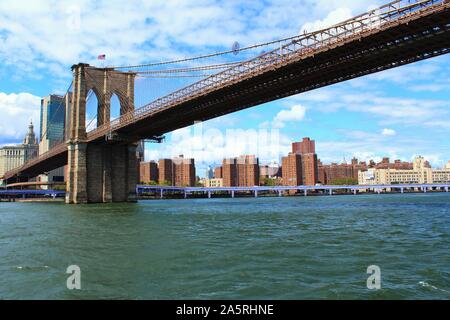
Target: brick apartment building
[(309, 168), (148, 171), (242, 171), (329, 174), (177, 172), (292, 170)]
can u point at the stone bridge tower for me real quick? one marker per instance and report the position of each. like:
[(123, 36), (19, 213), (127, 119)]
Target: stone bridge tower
[(99, 171)]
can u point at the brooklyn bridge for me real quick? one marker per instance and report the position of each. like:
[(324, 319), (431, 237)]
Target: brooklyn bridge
[(102, 163)]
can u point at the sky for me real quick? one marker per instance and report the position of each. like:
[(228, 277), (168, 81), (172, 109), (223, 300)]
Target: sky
[(399, 113)]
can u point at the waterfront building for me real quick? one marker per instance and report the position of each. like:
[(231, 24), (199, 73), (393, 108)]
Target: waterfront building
[(229, 172), (269, 171), (421, 173), (165, 172), (247, 171), (15, 156), (307, 149), (309, 169), (397, 164), (447, 166), (178, 172), (333, 173), (184, 172), (213, 183), (242, 171), (292, 170), (148, 172)]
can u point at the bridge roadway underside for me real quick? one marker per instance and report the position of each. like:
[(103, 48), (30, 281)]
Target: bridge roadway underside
[(398, 45)]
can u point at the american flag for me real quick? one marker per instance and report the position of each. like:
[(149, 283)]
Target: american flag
[(102, 57)]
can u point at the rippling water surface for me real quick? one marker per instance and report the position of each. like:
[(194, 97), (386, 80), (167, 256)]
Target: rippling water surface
[(266, 248)]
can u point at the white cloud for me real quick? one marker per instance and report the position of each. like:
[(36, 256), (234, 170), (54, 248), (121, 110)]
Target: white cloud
[(295, 113), (16, 112), (388, 132)]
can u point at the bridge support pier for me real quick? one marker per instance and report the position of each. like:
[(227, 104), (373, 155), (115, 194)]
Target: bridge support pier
[(232, 193), (101, 173)]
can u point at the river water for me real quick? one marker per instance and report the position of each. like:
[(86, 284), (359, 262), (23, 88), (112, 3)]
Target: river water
[(243, 248)]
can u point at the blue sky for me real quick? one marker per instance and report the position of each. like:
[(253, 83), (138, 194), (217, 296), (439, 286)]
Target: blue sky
[(398, 113)]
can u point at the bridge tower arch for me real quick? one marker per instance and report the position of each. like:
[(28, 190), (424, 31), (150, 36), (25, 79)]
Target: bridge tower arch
[(100, 171)]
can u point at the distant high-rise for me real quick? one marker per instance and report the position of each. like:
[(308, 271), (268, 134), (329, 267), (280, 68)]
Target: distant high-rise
[(209, 173), (53, 114)]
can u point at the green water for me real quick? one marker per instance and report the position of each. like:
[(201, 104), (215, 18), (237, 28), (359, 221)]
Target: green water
[(266, 248)]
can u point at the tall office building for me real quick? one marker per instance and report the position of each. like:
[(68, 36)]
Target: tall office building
[(53, 116), (209, 173)]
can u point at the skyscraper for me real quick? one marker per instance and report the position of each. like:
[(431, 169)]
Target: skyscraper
[(53, 115)]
